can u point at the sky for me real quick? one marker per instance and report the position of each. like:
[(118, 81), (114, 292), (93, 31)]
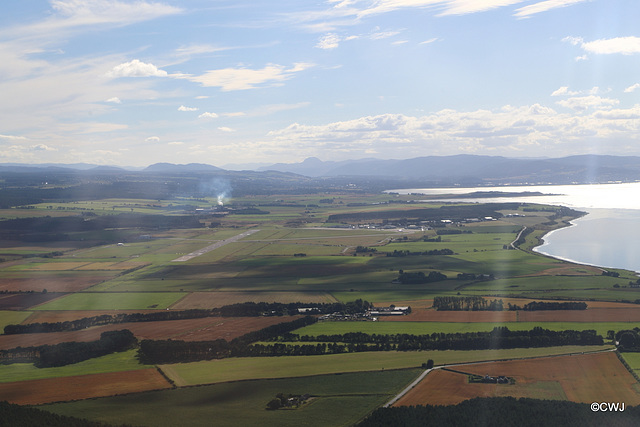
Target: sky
[(236, 82)]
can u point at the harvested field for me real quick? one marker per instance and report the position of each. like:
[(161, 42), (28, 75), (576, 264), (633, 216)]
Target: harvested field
[(58, 266), (82, 387), (208, 328), (118, 266), (24, 301), (52, 283), (219, 299), (631, 314), (586, 378)]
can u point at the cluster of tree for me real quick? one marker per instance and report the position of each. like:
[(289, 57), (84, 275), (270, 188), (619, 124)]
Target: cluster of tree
[(539, 305), (174, 351), (473, 303), (477, 303), (407, 278), (67, 353), (249, 211), (522, 237), (437, 239), (246, 309), (446, 231), (365, 249), (24, 416), (401, 253), (472, 276), (282, 401), (503, 412), (628, 340), (610, 273), (498, 338)]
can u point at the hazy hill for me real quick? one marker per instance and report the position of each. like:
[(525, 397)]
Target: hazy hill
[(470, 168)]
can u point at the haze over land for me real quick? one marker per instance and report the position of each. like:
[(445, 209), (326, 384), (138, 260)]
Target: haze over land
[(135, 83)]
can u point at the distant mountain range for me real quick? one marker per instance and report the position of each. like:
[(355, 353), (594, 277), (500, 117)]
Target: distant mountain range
[(465, 168), (459, 169)]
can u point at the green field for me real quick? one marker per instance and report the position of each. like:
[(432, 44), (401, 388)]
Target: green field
[(338, 400), (12, 317), (113, 301), (242, 368), (422, 328), (116, 362)]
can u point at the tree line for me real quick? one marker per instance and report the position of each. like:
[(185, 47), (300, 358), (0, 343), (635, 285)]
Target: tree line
[(498, 338), (175, 351), (247, 309), (403, 253), (414, 278), (477, 303), (67, 353)]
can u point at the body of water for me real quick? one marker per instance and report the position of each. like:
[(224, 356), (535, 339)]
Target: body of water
[(608, 236)]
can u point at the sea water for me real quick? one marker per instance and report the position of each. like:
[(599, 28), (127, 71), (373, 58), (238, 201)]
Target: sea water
[(608, 236)]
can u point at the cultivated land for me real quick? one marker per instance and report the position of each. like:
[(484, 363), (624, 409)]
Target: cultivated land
[(289, 249), (578, 378)]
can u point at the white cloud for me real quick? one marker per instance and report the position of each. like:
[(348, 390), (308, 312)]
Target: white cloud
[(176, 143), (12, 137), (329, 41), (153, 139), (563, 90), (42, 147), (429, 41), (533, 130), (69, 16), (136, 68), (573, 40), (582, 103), (229, 79), (383, 35), (632, 88), (624, 45), (183, 108), (208, 116), (543, 6), (225, 129), (114, 100)]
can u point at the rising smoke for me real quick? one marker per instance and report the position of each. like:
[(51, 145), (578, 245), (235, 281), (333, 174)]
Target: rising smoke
[(219, 188)]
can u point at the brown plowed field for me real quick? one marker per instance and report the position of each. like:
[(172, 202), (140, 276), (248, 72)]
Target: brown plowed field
[(25, 301), (53, 283), (208, 328), (49, 390), (586, 378), (219, 299)]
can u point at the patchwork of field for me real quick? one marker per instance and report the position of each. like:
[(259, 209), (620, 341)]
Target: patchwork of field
[(36, 392), (580, 378), (58, 282), (243, 368), (338, 400), (113, 301), (208, 328), (24, 301)]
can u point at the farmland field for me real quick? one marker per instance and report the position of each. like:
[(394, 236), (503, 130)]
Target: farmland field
[(580, 378), (293, 255), (35, 392), (338, 400), (242, 368), (113, 301), (116, 362)]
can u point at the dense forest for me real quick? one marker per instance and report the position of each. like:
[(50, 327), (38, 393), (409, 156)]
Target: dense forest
[(503, 412)]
